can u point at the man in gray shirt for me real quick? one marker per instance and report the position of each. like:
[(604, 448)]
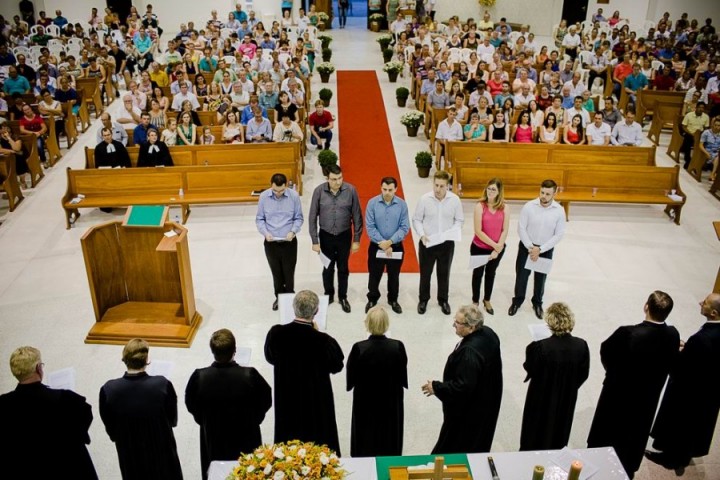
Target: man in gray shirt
[(336, 207), (438, 98), (118, 132)]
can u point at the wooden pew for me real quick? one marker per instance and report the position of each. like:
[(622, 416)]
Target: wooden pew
[(51, 141), (242, 154), (91, 93), (30, 146), (578, 183), (106, 188), (664, 115), (84, 112), (523, 153), (71, 121), (647, 99), (676, 139), (697, 158), (9, 182)]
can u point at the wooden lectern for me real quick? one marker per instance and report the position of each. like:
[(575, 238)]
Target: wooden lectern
[(141, 284)]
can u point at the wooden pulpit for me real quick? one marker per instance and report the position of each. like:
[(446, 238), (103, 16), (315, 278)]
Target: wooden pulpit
[(141, 284)]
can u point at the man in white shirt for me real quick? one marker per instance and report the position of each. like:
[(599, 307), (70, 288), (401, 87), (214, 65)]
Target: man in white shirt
[(571, 43), (398, 25), (540, 227), (479, 92), (523, 98), (577, 87), (577, 109), (447, 130), (485, 48), (183, 95), (438, 213), (598, 132), (129, 115), (628, 133)]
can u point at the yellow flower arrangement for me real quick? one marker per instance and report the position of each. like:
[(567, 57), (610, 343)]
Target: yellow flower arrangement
[(487, 3), (294, 460)]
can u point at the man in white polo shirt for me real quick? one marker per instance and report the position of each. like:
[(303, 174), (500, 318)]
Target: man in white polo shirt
[(598, 132), (447, 130)]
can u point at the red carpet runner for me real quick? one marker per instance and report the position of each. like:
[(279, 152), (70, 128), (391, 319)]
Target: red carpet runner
[(366, 151)]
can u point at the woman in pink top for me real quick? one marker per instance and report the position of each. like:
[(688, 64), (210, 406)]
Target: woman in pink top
[(491, 221), (523, 131)]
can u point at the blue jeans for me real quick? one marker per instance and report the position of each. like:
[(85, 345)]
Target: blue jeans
[(325, 135)]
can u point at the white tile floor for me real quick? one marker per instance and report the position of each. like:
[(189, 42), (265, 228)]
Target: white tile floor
[(611, 258)]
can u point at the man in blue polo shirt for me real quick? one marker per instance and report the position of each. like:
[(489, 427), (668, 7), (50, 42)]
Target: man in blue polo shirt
[(635, 82), (15, 83)]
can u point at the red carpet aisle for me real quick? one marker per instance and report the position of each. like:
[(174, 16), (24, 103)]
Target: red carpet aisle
[(366, 150)]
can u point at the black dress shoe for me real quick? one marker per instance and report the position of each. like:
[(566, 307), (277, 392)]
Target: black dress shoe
[(275, 305), (513, 309), (445, 307), (369, 305), (396, 307), (422, 308), (345, 305), (538, 311), (331, 299), (665, 460)]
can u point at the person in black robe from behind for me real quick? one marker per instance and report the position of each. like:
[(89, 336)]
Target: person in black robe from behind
[(154, 153), (304, 359), (111, 153), (44, 429), (685, 423), (377, 374), (556, 368), (229, 403), (471, 389), (139, 412), (637, 360)]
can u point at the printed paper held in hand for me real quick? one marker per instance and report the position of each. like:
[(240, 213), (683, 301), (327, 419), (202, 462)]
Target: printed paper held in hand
[(287, 314), (161, 367), (454, 234), (478, 261), (541, 265), (539, 331), (324, 260), (61, 379), (279, 239), (383, 256)]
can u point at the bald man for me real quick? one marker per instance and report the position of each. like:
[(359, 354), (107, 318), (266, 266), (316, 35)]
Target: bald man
[(689, 410)]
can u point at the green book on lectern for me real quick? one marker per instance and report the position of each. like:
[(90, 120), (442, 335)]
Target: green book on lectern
[(146, 216)]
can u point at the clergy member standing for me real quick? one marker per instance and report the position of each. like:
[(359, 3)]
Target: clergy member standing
[(377, 375), (304, 359), (229, 403), (685, 423), (556, 368), (471, 389), (139, 412), (637, 360), (438, 212)]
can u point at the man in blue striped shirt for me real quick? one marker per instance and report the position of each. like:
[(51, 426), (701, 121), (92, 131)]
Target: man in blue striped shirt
[(279, 219), (387, 222)]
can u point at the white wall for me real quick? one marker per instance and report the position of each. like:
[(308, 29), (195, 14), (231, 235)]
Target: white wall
[(700, 9), (541, 15), (635, 10)]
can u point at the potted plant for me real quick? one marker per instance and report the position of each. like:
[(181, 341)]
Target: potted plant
[(327, 158), (423, 162), (323, 20), (412, 121), (325, 40), (326, 54), (401, 95), (385, 39), (388, 54), (325, 95), (375, 20), (393, 69), (325, 69)]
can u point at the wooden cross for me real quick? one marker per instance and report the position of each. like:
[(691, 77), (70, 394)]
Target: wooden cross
[(438, 472)]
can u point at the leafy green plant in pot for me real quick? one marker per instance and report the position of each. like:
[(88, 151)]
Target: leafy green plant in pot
[(327, 158), (326, 54), (325, 41), (325, 95), (423, 162), (384, 40), (325, 69), (387, 54), (402, 94)]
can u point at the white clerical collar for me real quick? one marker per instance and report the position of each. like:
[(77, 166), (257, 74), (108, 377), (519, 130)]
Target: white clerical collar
[(110, 148), (153, 148)]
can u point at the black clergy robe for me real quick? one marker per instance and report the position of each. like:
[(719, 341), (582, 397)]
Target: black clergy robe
[(556, 368), (470, 392), (304, 406), (377, 374), (45, 430), (159, 158), (637, 360), (688, 413), (118, 158), (139, 412), (229, 403)]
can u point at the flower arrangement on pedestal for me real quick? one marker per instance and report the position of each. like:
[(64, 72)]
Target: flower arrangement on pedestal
[(294, 460), (487, 3)]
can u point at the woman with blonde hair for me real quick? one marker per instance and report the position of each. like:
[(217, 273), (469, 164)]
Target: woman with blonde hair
[(556, 368), (377, 374), (491, 221)]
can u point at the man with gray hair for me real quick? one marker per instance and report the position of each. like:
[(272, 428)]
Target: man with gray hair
[(48, 427), (304, 359), (471, 388)]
